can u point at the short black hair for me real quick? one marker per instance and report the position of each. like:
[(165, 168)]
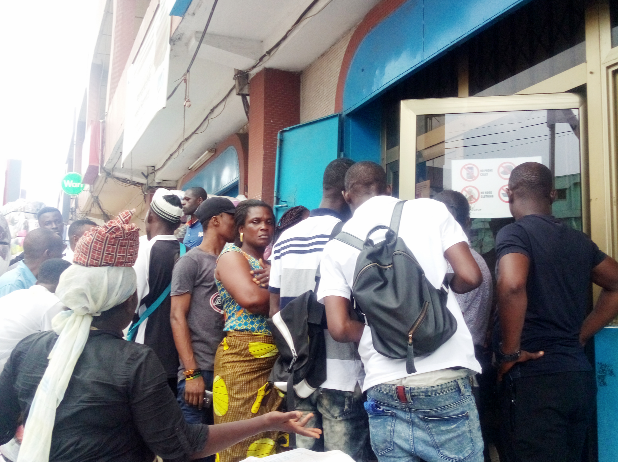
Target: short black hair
[(78, 225), (45, 210), (457, 204), (366, 176), (50, 270), (242, 210), (531, 180), (334, 174), (197, 191)]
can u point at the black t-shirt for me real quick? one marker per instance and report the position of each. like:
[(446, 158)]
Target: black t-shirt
[(558, 289), (117, 407), (158, 335)]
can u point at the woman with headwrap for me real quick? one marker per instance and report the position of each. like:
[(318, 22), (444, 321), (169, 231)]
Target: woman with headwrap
[(99, 397)]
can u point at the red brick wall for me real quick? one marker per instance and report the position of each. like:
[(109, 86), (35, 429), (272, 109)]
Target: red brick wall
[(122, 42), (275, 104)]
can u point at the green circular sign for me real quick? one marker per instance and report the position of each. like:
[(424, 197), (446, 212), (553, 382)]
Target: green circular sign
[(72, 184)]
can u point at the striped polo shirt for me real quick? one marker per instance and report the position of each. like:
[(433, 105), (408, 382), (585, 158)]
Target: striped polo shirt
[(295, 259)]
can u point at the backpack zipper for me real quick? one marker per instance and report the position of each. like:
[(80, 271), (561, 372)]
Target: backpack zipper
[(370, 265), (418, 322)]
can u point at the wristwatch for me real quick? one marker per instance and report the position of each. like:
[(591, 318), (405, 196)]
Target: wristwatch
[(504, 358)]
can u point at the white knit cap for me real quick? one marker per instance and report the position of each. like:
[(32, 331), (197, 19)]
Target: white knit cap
[(163, 208)]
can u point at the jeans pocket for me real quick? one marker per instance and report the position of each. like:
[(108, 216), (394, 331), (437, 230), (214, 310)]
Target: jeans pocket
[(451, 435), (381, 427)]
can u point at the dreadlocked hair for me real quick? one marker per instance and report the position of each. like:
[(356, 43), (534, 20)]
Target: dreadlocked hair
[(289, 219)]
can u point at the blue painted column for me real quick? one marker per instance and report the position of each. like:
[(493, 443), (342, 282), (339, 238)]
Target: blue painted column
[(606, 354)]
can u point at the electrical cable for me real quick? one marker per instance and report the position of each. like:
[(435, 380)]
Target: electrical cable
[(267, 55), (197, 49)]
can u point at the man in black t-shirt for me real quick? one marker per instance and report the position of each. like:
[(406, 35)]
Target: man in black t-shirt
[(544, 273), (154, 266)]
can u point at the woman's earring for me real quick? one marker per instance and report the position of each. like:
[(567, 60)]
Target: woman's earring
[(241, 235)]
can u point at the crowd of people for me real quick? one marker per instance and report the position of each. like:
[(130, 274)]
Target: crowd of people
[(145, 348)]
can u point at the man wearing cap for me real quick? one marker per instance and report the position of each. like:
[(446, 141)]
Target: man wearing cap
[(154, 265), (196, 316)]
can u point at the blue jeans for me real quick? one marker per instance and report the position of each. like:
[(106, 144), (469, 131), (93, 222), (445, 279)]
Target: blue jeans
[(192, 414), (434, 424), (343, 420)]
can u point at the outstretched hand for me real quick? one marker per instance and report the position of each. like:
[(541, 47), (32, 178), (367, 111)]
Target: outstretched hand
[(292, 422), (525, 356)]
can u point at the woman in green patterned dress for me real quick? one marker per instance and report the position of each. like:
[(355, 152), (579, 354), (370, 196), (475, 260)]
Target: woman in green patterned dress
[(246, 355)]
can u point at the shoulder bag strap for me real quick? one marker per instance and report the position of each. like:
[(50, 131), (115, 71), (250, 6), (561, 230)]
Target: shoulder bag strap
[(396, 217), (133, 330), (336, 230)]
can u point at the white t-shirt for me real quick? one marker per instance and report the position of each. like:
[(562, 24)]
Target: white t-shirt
[(294, 262), (428, 229), (25, 312)]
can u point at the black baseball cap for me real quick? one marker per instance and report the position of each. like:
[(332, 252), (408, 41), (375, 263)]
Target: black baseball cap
[(214, 206)]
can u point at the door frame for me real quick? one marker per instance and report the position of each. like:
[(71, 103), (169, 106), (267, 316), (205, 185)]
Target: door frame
[(412, 108)]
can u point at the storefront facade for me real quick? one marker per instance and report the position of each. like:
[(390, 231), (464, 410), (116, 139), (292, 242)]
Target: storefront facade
[(452, 95)]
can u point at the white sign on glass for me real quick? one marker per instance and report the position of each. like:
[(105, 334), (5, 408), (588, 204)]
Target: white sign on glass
[(484, 183)]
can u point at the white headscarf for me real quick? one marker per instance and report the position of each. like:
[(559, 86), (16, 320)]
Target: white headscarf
[(87, 292)]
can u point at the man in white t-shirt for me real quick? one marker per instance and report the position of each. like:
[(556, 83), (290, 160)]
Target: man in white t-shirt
[(429, 415), (337, 405)]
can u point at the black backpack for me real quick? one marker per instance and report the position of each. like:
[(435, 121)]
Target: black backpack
[(407, 315), (298, 332)]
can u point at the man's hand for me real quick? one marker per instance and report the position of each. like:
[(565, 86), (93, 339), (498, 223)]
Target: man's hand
[(262, 276), (525, 356), (292, 422), (194, 392)]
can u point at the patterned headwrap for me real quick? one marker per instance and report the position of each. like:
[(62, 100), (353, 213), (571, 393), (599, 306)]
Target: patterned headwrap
[(101, 279), (113, 244)]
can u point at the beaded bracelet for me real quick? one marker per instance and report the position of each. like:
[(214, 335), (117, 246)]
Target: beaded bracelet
[(190, 372), (195, 376)]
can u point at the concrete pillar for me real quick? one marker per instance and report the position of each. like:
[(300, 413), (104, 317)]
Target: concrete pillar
[(275, 104)]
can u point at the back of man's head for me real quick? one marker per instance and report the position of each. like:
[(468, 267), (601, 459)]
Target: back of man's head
[(531, 181), (334, 175), (78, 226), (197, 191), (40, 240), (50, 271), (363, 181), (457, 204)]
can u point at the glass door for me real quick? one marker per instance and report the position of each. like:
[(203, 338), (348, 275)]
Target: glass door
[(471, 145)]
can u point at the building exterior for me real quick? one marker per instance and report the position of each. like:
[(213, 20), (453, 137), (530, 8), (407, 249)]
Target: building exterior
[(255, 98)]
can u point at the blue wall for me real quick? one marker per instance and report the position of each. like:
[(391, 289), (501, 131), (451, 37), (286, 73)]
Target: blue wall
[(219, 175), (303, 153), (362, 133), (413, 34)]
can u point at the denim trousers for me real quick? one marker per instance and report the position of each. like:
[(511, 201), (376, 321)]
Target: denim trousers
[(192, 414), (343, 420), (432, 424)]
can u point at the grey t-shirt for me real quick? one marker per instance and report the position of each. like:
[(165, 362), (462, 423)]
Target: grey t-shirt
[(195, 274)]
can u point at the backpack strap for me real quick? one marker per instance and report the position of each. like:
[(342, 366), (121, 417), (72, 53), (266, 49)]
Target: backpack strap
[(336, 230), (133, 330), (396, 217), (351, 240)]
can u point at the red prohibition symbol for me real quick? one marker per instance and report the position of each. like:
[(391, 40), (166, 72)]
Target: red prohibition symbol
[(469, 172), (472, 194), (504, 197)]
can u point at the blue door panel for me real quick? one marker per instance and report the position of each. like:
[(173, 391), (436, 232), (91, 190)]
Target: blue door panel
[(303, 153)]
